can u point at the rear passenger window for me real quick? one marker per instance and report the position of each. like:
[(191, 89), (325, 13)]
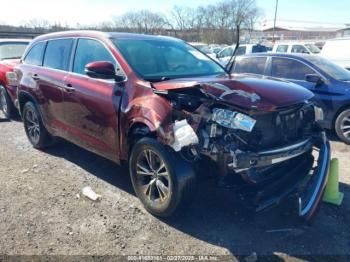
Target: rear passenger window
[(35, 55), (289, 69), (251, 65), (282, 49), (57, 54), (299, 49), (88, 51)]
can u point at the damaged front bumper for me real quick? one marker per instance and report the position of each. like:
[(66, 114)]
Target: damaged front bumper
[(289, 171)]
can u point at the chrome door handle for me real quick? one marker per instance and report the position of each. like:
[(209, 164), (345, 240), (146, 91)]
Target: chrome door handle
[(35, 77), (69, 88)]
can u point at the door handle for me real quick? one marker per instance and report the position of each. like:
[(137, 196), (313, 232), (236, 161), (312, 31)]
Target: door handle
[(35, 77), (69, 88)]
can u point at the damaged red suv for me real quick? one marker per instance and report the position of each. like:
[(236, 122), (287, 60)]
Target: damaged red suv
[(162, 105)]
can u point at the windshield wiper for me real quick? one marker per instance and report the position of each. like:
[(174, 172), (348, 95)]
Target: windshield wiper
[(7, 58), (158, 79), (232, 59)]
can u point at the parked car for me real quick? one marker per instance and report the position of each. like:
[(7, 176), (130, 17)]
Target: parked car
[(338, 51), (216, 48), (164, 107), (296, 47), (204, 48), (329, 82), (11, 51), (225, 55)]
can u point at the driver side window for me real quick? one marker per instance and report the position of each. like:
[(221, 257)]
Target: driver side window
[(88, 51)]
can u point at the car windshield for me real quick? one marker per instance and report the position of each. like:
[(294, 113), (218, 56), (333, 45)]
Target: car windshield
[(313, 49), (158, 60), (337, 72), (12, 50)]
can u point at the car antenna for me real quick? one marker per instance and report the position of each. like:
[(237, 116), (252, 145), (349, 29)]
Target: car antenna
[(230, 63)]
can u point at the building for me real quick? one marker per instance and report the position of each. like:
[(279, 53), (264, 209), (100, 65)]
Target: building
[(289, 31)]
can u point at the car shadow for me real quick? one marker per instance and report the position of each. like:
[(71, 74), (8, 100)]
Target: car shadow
[(221, 217)]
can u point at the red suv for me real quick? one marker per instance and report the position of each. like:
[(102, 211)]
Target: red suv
[(11, 51), (165, 107)]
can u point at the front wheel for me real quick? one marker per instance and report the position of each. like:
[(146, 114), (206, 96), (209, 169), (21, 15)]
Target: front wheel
[(342, 126), (161, 180)]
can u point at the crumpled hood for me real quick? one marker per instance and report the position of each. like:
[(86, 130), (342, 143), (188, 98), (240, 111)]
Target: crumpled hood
[(245, 92)]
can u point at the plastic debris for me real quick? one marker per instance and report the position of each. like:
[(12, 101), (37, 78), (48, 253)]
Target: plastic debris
[(89, 193)]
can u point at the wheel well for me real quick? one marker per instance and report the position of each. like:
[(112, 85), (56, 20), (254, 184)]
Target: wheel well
[(340, 110), (136, 132), (22, 100)]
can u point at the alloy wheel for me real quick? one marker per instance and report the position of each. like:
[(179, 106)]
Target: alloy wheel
[(32, 125), (345, 126), (3, 102), (152, 177)]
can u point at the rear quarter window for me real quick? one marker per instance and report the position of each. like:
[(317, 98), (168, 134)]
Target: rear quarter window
[(57, 54), (251, 65), (35, 54)]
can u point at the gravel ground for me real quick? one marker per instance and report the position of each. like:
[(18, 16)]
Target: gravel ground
[(42, 211)]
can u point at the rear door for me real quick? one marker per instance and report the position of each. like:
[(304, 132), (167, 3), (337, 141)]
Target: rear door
[(91, 105), (51, 79), (43, 72)]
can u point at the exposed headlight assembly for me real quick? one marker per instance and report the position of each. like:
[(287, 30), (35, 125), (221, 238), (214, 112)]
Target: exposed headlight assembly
[(233, 120)]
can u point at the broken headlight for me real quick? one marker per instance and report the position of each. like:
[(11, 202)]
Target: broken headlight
[(233, 120)]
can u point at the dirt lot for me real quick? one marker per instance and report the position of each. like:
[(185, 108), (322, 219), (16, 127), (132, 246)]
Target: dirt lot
[(40, 212)]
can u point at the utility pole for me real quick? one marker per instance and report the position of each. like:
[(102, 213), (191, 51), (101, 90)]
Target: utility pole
[(274, 23)]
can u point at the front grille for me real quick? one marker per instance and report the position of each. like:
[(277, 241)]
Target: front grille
[(282, 127)]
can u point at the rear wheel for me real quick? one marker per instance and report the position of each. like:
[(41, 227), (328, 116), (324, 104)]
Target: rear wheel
[(161, 180), (36, 132), (342, 126), (6, 105)]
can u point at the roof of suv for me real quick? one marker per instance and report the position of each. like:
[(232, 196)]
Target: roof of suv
[(84, 33)]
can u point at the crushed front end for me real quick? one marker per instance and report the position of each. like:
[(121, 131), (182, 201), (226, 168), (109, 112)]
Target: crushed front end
[(279, 152)]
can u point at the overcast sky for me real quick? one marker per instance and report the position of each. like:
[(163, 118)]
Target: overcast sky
[(15, 12)]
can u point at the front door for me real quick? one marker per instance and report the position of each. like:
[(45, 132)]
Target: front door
[(91, 105)]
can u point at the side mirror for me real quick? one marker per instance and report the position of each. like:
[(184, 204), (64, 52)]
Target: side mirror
[(314, 78), (102, 70)]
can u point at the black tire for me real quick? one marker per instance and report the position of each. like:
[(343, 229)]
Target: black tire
[(6, 105), (342, 126), (36, 132), (179, 182)]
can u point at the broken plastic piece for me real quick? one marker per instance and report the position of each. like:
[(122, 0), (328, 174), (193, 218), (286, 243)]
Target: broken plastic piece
[(89, 193), (184, 135)]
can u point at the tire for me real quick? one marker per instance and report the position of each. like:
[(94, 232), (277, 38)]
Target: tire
[(6, 104), (36, 132), (342, 126), (161, 180)]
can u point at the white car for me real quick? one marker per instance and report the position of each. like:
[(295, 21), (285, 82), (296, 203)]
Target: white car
[(338, 51), (225, 54), (296, 47), (204, 48)]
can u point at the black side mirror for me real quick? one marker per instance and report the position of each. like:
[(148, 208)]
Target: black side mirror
[(314, 78), (103, 70)]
